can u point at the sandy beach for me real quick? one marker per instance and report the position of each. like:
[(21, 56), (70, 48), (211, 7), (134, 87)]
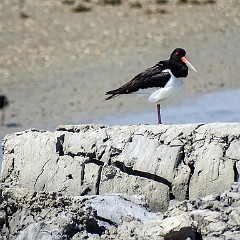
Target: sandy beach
[(56, 64)]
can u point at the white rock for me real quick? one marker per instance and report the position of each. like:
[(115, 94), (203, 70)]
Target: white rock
[(161, 162)]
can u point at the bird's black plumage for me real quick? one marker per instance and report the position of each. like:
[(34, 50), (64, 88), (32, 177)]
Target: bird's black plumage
[(155, 77), (3, 104), (3, 101)]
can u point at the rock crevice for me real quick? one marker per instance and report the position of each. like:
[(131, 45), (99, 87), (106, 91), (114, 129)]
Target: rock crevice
[(100, 182), (180, 162)]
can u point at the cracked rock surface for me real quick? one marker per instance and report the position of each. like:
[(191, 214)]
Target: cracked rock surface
[(26, 214), (178, 171), (162, 162)]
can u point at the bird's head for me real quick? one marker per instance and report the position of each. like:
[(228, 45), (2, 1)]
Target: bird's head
[(179, 55)]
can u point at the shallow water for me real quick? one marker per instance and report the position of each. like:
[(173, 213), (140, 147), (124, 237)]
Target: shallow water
[(221, 106)]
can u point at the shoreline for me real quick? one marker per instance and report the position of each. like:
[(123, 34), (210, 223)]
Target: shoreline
[(186, 109)]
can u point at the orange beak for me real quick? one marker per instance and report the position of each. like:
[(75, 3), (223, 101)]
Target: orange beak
[(184, 59)]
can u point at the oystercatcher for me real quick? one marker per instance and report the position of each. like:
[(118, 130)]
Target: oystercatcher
[(161, 82), (3, 104)]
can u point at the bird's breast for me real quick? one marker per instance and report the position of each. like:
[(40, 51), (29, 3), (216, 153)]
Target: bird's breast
[(170, 90)]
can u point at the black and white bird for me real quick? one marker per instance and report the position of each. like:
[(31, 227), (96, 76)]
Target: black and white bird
[(3, 104), (161, 82)]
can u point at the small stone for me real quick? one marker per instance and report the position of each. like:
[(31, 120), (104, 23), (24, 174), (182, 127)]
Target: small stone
[(112, 2), (24, 15), (155, 10), (82, 7), (162, 1), (68, 2), (234, 217), (135, 4)]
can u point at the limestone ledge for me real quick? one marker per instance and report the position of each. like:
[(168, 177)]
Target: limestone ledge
[(163, 163)]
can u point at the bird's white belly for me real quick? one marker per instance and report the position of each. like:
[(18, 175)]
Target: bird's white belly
[(170, 90)]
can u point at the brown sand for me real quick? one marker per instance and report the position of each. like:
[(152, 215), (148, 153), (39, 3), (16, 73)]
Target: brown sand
[(56, 64)]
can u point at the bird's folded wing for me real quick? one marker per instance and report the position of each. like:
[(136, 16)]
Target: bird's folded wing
[(151, 77)]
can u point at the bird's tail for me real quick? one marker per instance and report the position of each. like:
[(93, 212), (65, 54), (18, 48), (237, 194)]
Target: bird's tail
[(110, 93), (121, 90), (113, 94)]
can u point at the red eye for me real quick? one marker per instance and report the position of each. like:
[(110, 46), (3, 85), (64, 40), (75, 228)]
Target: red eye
[(177, 52)]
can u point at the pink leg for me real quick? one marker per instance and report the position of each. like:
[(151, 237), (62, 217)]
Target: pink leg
[(159, 114)]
